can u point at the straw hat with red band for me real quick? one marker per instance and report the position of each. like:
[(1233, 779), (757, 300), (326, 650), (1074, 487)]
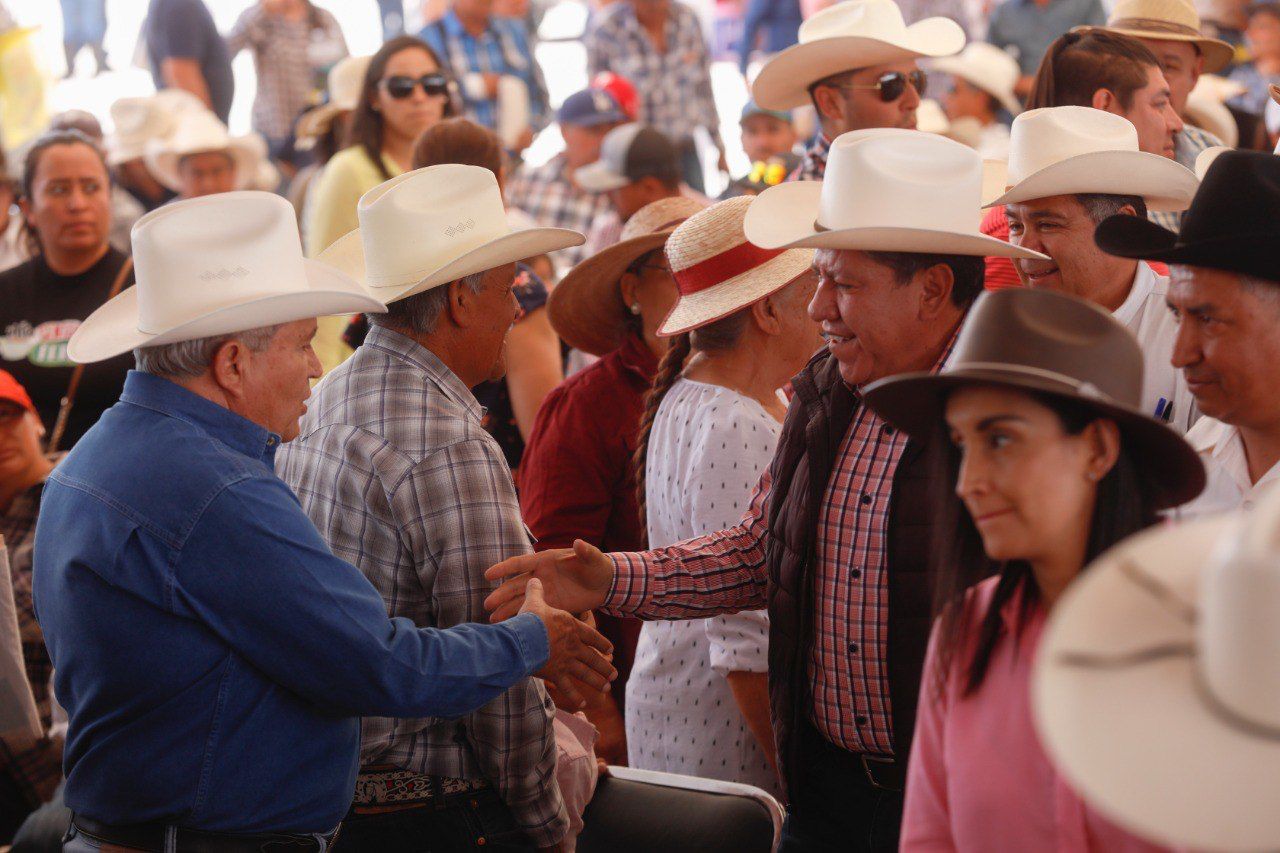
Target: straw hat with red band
[(718, 271), (12, 391), (586, 308)]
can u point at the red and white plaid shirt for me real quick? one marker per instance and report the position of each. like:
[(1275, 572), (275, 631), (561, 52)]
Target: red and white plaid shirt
[(725, 571)]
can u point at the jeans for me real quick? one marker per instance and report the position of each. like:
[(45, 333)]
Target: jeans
[(836, 807), (456, 822), (43, 830)]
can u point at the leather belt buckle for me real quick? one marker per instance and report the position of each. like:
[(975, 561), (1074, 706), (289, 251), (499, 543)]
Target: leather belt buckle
[(883, 772)]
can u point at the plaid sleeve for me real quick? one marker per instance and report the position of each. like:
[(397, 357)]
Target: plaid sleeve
[(458, 512), (722, 572)]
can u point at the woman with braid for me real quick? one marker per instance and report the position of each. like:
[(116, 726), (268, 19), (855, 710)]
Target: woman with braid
[(697, 700)]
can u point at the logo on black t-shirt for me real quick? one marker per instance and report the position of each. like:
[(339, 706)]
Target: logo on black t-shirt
[(44, 345)]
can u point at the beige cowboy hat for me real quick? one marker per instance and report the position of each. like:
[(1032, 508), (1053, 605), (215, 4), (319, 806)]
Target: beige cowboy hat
[(432, 226), (887, 190), (1069, 150), (212, 266), (198, 133), (1049, 343), (847, 36), (586, 307), (1169, 20), (1156, 691), (718, 271), (137, 122), (346, 79), (987, 67)]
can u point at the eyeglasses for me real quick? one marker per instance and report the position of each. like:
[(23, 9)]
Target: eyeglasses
[(893, 85), (401, 87)]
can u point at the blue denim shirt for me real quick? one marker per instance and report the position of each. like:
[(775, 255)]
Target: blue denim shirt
[(212, 654)]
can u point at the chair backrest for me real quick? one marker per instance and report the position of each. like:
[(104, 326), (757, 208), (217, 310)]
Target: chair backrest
[(643, 810)]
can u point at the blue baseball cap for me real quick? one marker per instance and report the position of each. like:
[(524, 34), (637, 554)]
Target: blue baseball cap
[(590, 108), (753, 109)]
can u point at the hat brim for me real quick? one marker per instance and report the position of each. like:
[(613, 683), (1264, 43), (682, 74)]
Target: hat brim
[(163, 164), (698, 309), (1164, 184), (597, 178), (785, 217), (347, 255), (957, 67), (1217, 54), (1245, 253), (113, 329), (316, 121), (915, 403), (783, 83), (1139, 741), (586, 308)]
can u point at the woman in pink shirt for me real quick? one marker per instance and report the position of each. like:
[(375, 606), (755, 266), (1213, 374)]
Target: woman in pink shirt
[(1038, 413)]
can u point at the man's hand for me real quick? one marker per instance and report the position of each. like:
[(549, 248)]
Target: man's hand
[(579, 654), (574, 579)]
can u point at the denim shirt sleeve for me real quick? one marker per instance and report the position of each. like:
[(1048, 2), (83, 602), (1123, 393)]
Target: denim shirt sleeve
[(256, 572)]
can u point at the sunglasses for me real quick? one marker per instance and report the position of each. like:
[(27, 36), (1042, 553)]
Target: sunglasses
[(893, 85), (401, 87)]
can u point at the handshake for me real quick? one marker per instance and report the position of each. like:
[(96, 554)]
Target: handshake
[(553, 585)]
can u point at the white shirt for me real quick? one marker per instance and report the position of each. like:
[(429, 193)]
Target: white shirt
[(1146, 314), (1227, 468), (708, 447)]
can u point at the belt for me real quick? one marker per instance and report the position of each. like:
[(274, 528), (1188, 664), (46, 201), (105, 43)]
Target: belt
[(883, 771), (154, 838), (381, 788)]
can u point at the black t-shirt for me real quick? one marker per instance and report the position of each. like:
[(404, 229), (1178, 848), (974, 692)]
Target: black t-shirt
[(39, 311), (184, 29)]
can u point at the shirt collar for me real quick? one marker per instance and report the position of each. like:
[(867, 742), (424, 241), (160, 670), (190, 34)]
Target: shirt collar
[(405, 349), (1144, 282), (453, 26), (169, 398), (635, 355)]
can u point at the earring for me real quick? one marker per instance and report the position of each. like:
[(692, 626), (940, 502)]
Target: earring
[(1093, 476), (635, 308)]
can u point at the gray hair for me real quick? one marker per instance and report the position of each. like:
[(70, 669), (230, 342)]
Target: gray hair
[(420, 313), (1098, 206), (192, 358)]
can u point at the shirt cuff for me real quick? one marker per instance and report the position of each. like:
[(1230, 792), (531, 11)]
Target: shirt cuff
[(630, 587), (473, 86), (531, 634)]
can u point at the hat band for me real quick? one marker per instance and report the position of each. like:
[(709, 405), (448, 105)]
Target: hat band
[(1154, 25), (1084, 389), (717, 269)]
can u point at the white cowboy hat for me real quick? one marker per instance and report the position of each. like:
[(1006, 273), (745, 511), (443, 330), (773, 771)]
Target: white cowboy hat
[(346, 79), (930, 118), (987, 67), (1156, 690), (139, 121), (212, 266), (1206, 157), (432, 226), (1169, 20), (1206, 107), (846, 36), (1069, 150), (887, 190), (200, 132), (718, 271)]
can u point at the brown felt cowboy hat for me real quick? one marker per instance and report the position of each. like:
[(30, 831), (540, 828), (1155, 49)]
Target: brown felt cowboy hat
[(1050, 343)]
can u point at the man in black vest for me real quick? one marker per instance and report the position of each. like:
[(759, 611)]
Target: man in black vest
[(836, 539)]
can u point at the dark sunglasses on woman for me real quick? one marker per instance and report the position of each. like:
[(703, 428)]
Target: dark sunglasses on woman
[(893, 85), (401, 87)]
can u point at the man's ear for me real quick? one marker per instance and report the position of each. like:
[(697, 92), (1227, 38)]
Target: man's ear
[(460, 304), (1105, 100), (936, 284), (828, 101), (228, 367)]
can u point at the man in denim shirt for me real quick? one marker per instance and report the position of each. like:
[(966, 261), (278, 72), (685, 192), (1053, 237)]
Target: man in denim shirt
[(213, 655)]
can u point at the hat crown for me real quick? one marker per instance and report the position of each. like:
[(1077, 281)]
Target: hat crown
[(1054, 336), (1239, 195), (708, 233), (992, 65), (346, 78), (891, 178), (1044, 137), (661, 215), (1238, 634), (422, 220), (198, 131), (872, 18), (199, 256), (1179, 14)]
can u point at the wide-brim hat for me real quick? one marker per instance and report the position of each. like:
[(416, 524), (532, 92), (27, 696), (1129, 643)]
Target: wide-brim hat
[(718, 271), (212, 266), (432, 226), (1233, 223), (137, 122), (1071, 150), (586, 307), (199, 133), (847, 36), (988, 68), (885, 190), (1049, 343), (345, 81), (1169, 20), (1128, 687)]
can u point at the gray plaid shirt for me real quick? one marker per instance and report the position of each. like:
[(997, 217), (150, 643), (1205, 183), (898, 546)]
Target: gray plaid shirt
[(395, 470)]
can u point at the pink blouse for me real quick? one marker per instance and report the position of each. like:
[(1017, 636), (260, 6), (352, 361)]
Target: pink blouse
[(978, 779)]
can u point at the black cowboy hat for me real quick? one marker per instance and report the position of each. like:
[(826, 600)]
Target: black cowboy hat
[(1233, 223)]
